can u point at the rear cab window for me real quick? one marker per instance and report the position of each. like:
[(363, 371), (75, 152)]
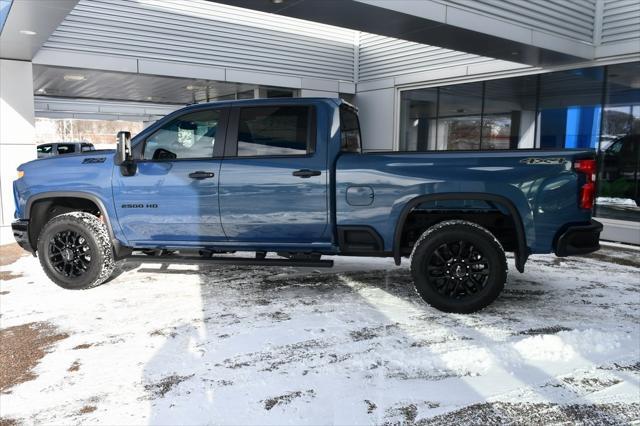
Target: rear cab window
[(285, 130), (350, 139)]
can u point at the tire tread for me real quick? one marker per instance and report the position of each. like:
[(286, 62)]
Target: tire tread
[(101, 234), (456, 224)]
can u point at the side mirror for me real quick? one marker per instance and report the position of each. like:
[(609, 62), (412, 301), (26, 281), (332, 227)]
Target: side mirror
[(123, 153)]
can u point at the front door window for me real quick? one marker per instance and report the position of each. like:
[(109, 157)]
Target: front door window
[(187, 137)]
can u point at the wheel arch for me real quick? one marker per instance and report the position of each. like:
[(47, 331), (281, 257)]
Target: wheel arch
[(521, 253), (71, 195)]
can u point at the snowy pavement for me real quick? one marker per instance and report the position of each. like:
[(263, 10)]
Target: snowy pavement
[(352, 345)]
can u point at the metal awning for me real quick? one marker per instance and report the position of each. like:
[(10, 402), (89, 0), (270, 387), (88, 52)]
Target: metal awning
[(433, 23)]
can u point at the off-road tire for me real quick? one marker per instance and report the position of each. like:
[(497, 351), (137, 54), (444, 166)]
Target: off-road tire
[(460, 293), (96, 237)]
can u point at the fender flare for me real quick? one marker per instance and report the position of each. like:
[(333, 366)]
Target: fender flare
[(118, 247), (521, 253)]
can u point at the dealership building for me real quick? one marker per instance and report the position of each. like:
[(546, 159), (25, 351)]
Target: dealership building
[(426, 75)]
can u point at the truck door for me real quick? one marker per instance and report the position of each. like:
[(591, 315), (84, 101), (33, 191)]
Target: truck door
[(173, 196), (273, 179)]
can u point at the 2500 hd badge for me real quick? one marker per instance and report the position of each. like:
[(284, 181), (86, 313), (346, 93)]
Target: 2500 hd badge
[(139, 206)]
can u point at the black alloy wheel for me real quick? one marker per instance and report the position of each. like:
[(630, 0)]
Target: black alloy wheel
[(458, 266), (76, 251), (69, 253), (458, 269)]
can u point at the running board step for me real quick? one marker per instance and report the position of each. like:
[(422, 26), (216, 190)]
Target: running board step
[(196, 260)]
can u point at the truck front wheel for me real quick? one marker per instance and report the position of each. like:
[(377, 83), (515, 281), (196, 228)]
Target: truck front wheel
[(75, 251), (458, 266)]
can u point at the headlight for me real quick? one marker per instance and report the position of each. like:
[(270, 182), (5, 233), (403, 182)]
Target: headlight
[(20, 173)]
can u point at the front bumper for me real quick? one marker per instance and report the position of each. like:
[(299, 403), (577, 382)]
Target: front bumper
[(20, 230), (579, 239)]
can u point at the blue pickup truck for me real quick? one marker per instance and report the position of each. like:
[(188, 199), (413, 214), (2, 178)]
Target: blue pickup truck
[(288, 177)]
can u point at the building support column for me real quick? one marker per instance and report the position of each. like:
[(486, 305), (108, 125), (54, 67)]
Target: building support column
[(17, 133)]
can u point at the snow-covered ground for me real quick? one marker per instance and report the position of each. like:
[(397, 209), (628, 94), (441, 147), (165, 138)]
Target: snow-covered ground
[(352, 345)]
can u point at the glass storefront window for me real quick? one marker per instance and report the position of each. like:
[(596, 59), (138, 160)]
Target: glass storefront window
[(459, 116), (418, 117), (619, 168), (570, 108), (509, 113), (586, 108), (459, 133), (497, 114), (497, 132)]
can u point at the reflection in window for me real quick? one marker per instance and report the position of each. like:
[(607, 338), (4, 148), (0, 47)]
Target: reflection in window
[(278, 130), (619, 168), (497, 114), (459, 116), (497, 132), (418, 115), (509, 113), (459, 133), (189, 136), (570, 108)]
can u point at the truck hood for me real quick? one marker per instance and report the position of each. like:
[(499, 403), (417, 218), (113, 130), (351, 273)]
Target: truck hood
[(87, 172), (40, 162)]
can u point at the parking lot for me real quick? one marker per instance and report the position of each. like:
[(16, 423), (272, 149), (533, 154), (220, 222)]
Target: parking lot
[(164, 344)]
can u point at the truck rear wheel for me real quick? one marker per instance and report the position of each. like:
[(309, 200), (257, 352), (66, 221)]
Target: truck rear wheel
[(75, 251), (458, 266)]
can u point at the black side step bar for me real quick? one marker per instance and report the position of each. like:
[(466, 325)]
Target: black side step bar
[(196, 260)]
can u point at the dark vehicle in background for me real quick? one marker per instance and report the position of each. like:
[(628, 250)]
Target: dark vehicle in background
[(619, 170), (60, 148)]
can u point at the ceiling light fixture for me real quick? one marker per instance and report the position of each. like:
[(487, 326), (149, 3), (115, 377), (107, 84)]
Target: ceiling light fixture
[(27, 32), (277, 1), (74, 77)]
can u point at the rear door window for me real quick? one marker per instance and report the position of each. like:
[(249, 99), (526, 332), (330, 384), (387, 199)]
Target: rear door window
[(274, 131)]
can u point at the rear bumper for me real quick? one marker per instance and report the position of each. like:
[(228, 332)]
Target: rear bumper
[(579, 239), (20, 230)]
